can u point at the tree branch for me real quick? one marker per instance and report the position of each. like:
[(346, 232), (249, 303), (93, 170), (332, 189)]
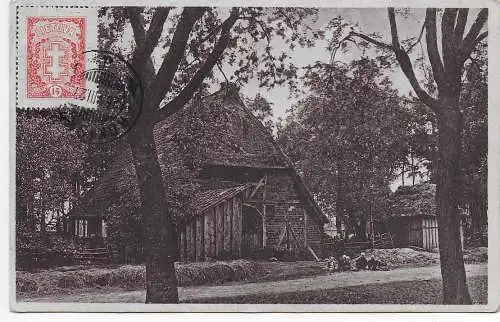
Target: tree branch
[(137, 21), (418, 39), (163, 80), (146, 41), (460, 25), (155, 30), (475, 29), (433, 51), (405, 63), (403, 60), (188, 91), (449, 47), (370, 40)]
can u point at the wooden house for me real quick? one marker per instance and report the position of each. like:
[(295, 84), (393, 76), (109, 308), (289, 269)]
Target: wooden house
[(413, 220), (248, 195)]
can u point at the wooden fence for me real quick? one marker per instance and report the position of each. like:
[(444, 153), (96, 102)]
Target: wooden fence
[(355, 247), (93, 255)]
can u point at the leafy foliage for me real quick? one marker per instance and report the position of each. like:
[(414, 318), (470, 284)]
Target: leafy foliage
[(347, 136)]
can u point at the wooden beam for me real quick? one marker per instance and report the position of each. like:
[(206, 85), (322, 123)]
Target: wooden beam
[(264, 228), (182, 244), (228, 210), (199, 239), (305, 227), (189, 255), (272, 202), (261, 183), (206, 233), (237, 225), (219, 230), (313, 253)]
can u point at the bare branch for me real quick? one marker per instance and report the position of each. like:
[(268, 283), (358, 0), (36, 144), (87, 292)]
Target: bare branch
[(460, 25), (187, 92), (418, 39), (475, 29), (449, 47), (432, 49), (371, 40), (163, 81), (141, 63), (146, 41), (403, 60), (406, 65), (155, 30), (137, 22), (394, 28)]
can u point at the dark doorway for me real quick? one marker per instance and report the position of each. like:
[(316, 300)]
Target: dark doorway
[(251, 229)]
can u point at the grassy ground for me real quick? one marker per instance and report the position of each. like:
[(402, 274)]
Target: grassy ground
[(408, 292)]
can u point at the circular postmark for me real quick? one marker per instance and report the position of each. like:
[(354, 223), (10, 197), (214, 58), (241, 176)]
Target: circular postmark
[(110, 101)]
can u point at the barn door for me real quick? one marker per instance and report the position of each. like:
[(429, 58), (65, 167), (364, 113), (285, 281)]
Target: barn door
[(251, 229)]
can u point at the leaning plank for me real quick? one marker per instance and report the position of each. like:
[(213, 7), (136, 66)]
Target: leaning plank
[(313, 253)]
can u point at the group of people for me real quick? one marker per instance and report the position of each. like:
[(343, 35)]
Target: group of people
[(341, 262), (345, 263)]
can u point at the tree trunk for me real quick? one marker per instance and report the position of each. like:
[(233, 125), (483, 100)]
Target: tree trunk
[(339, 205), (413, 172), (160, 240), (403, 174), (455, 289)]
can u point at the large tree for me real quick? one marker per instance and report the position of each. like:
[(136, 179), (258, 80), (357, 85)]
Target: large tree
[(447, 61), (48, 157), (346, 138), (190, 41)]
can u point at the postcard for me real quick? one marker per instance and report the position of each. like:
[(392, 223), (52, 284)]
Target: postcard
[(252, 156)]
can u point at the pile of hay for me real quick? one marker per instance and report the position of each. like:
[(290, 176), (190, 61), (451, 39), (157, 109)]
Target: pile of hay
[(132, 277), (401, 257), (476, 255)]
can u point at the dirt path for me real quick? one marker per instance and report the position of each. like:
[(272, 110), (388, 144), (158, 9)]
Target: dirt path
[(335, 280)]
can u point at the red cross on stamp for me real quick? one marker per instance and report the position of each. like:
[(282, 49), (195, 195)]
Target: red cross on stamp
[(55, 57)]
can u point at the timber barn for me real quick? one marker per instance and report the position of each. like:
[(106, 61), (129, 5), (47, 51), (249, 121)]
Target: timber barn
[(247, 194), (413, 221)]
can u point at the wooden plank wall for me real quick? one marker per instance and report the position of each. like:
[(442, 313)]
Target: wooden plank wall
[(214, 234), (430, 233), (219, 230), (228, 220), (415, 232), (237, 226)]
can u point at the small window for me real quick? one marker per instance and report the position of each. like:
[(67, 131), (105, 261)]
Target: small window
[(270, 211)]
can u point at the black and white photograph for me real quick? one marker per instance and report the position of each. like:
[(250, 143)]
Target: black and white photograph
[(213, 155)]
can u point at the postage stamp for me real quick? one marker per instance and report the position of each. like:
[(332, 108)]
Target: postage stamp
[(254, 156), (55, 47)]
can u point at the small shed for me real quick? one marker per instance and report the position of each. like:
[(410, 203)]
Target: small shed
[(412, 219)]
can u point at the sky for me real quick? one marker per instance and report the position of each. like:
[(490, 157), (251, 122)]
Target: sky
[(369, 20)]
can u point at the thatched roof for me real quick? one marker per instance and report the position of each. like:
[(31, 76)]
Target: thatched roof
[(242, 141), (418, 200)]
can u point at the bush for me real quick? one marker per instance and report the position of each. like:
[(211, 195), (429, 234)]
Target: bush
[(36, 251)]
